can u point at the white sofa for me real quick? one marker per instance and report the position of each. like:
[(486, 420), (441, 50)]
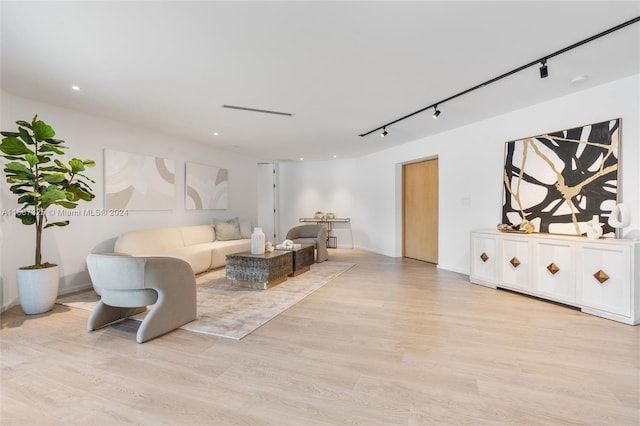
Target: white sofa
[(197, 245)]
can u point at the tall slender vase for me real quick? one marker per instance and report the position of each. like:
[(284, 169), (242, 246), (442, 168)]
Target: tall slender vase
[(257, 241)]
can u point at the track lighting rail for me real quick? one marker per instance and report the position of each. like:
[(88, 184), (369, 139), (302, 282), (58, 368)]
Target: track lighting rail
[(542, 61)]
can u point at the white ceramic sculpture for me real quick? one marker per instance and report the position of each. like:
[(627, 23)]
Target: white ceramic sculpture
[(619, 217), (594, 228)]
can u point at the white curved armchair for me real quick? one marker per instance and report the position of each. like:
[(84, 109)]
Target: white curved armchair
[(127, 285)]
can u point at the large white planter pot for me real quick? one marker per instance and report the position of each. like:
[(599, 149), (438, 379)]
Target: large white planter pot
[(37, 289)]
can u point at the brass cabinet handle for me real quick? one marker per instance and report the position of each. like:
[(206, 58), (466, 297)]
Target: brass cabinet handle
[(484, 257), (553, 268), (601, 276), (515, 262)]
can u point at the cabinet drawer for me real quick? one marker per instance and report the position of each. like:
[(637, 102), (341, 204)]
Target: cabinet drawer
[(554, 273), (484, 258), (515, 263), (604, 278)]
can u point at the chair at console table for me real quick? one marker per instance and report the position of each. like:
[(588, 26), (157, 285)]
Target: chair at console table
[(332, 240)]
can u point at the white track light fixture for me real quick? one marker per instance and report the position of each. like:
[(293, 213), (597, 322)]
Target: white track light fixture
[(436, 112), (544, 72), (384, 132)]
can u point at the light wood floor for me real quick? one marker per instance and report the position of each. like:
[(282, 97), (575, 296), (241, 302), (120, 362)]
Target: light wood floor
[(390, 342)]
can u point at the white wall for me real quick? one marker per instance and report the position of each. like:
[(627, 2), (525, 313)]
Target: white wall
[(471, 164), (308, 186), (87, 136)]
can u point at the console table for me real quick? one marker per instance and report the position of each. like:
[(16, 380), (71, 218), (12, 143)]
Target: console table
[(601, 277), (332, 240)]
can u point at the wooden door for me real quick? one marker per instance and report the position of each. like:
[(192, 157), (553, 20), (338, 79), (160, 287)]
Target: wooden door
[(420, 210)]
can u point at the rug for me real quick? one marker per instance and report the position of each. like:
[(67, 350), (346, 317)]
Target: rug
[(230, 311)]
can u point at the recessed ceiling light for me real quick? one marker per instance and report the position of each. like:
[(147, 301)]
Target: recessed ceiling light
[(579, 79), (335, 156), (76, 88), (301, 158), (215, 133)]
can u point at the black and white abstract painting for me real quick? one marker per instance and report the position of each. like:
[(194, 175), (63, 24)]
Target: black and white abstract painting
[(559, 181)]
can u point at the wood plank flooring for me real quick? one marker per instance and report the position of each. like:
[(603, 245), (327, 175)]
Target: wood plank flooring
[(390, 342)]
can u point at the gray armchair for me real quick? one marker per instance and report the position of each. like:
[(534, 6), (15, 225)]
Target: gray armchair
[(311, 234), (127, 285)]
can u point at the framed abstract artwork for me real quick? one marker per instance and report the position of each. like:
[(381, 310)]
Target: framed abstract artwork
[(138, 182), (559, 181), (206, 187)]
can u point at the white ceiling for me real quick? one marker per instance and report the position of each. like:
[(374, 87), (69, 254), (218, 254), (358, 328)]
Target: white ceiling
[(341, 68)]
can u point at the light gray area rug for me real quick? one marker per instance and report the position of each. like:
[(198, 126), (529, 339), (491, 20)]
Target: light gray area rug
[(233, 312)]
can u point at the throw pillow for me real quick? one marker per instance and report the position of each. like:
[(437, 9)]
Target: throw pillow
[(227, 229)]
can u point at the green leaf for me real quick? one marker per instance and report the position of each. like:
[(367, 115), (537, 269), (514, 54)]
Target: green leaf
[(17, 179), (14, 134), (14, 146), (78, 193), (51, 195), (18, 189), (89, 163), (13, 157), (76, 165), (29, 199), (17, 167), (55, 142), (66, 204), (32, 159), (62, 166), (26, 218), (42, 130), (50, 148), (25, 136), (54, 178), (65, 223), (24, 123)]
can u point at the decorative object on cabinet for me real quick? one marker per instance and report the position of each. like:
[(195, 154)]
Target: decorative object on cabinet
[(619, 218), (318, 214), (559, 181), (601, 277), (594, 228), (206, 187), (138, 182)]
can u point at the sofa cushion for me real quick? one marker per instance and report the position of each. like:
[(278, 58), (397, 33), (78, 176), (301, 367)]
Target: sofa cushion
[(149, 241), (192, 235), (227, 229), (198, 256)]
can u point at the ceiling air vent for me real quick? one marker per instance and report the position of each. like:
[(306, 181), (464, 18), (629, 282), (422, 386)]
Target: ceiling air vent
[(264, 111)]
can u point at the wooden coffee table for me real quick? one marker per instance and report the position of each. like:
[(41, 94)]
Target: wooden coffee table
[(303, 258), (260, 271)]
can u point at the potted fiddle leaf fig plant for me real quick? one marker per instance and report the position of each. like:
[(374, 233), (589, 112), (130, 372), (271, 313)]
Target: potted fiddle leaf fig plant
[(41, 180)]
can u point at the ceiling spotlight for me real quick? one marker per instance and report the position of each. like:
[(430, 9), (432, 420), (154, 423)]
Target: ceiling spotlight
[(384, 132), (544, 73), (436, 112), (75, 88)]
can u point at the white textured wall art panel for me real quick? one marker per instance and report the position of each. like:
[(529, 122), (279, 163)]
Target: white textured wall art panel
[(207, 187), (138, 182)]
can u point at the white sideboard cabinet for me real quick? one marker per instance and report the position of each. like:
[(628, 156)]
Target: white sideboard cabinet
[(601, 277)]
